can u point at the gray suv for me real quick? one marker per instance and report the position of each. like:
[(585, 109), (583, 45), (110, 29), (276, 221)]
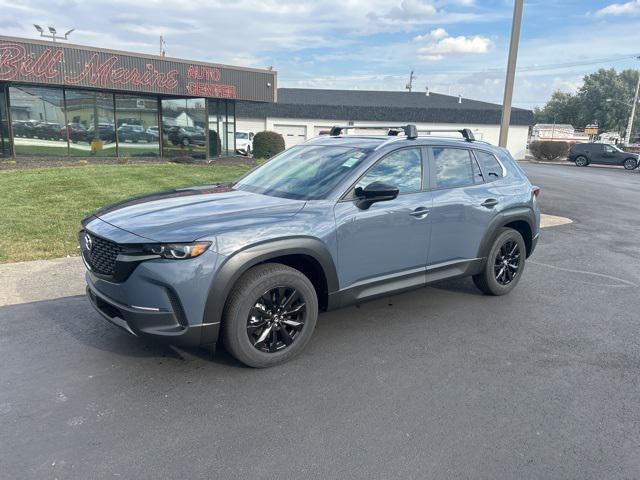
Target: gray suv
[(332, 222)]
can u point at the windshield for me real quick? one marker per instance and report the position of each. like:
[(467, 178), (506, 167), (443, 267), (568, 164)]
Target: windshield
[(242, 135), (303, 172)]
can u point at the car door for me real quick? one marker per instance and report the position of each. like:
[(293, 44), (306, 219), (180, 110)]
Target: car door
[(612, 156), (463, 205), (388, 242), (598, 154)]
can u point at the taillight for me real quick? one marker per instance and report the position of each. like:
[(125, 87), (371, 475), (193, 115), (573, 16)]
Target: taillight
[(536, 191)]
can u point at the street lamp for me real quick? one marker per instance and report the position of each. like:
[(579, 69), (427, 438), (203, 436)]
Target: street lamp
[(54, 33)]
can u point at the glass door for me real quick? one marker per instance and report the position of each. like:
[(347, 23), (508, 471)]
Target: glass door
[(5, 146)]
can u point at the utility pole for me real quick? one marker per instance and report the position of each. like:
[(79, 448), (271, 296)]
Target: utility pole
[(163, 52), (409, 85), (627, 138), (511, 72)]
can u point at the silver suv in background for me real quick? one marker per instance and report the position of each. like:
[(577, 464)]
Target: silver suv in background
[(329, 223)]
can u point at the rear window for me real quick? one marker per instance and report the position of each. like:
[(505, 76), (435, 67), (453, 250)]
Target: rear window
[(490, 165)]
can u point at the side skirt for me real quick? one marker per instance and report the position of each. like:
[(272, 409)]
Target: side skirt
[(403, 281)]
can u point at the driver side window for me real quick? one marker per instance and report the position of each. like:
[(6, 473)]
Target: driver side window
[(401, 169)]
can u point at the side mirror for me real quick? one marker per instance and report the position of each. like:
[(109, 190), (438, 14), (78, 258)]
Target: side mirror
[(375, 192)]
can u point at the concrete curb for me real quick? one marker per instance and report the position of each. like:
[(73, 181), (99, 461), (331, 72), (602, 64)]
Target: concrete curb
[(26, 282)]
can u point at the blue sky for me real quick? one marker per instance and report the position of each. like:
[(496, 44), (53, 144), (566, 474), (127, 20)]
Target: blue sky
[(454, 46)]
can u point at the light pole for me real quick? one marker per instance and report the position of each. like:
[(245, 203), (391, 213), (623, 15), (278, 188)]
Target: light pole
[(511, 72), (54, 33), (627, 138)]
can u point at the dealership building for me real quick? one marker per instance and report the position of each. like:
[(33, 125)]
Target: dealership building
[(67, 100), (62, 100), (301, 114)]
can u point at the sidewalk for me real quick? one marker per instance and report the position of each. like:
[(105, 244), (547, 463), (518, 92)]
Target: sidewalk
[(26, 282)]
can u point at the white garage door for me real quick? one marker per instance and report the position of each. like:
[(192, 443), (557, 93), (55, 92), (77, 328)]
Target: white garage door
[(292, 134)]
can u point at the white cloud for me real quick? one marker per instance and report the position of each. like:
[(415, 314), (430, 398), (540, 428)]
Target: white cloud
[(631, 8), (438, 43)]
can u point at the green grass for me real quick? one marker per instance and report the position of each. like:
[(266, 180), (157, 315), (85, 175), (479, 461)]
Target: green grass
[(41, 209)]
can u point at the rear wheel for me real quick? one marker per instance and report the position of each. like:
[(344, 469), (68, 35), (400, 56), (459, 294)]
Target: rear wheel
[(270, 315), (582, 161), (504, 265), (630, 164)]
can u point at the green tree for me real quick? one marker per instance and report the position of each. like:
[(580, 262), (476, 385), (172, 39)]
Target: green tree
[(589, 104)]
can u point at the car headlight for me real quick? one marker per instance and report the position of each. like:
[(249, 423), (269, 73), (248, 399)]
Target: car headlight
[(178, 251)]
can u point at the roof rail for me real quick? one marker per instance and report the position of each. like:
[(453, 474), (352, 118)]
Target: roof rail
[(409, 130), (465, 132)]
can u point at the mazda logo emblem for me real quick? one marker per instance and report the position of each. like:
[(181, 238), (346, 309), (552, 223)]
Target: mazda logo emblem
[(88, 242)]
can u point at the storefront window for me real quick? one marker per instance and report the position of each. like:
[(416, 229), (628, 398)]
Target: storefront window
[(90, 123), (222, 127), (183, 126), (37, 121), (137, 126), (5, 146), (231, 128)]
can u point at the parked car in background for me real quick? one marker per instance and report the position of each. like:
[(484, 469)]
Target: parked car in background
[(153, 133), (48, 131), (186, 136), (76, 132), (23, 128), (244, 142), (133, 133), (106, 133), (584, 154), (328, 223)]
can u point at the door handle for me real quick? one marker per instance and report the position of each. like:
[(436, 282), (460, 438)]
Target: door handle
[(489, 203), (420, 212)]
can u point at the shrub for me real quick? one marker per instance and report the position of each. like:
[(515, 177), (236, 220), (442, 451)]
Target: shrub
[(548, 150), (267, 144)]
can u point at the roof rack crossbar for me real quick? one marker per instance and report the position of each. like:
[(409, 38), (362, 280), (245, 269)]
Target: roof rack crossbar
[(409, 130), (465, 132)]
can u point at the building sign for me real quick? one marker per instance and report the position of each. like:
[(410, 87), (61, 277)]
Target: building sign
[(591, 129), (52, 64)]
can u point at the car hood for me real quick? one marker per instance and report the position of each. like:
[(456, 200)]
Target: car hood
[(187, 214)]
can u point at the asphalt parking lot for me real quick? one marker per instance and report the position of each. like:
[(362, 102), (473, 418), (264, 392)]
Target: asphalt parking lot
[(438, 383)]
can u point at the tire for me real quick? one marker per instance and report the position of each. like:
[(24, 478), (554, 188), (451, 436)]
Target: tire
[(491, 281), (248, 151), (185, 142), (248, 295), (581, 161), (630, 164)]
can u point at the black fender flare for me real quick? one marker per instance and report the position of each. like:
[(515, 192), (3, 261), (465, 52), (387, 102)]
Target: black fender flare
[(525, 214), (235, 265)]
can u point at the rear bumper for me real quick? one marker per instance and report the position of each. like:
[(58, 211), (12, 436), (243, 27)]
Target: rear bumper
[(162, 324)]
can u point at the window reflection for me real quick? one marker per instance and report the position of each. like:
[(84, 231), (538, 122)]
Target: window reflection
[(90, 123), (453, 167), (5, 146), (401, 169), (183, 125), (137, 126), (37, 117)]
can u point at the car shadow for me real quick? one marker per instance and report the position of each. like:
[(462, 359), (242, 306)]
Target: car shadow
[(73, 317)]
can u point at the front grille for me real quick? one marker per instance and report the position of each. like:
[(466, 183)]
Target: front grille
[(102, 256)]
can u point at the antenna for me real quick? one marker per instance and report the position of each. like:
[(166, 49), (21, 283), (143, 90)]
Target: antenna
[(409, 86)]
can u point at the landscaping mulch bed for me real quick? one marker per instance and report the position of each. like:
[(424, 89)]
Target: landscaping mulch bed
[(44, 162)]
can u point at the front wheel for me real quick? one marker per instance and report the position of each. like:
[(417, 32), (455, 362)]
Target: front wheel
[(582, 161), (504, 265), (630, 164), (270, 315)]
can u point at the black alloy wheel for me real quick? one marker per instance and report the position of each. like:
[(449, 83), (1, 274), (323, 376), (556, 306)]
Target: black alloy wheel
[(630, 164), (507, 262), (276, 319), (582, 161)]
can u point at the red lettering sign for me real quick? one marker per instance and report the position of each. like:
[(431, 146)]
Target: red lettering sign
[(15, 62), (108, 73), (211, 90)]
